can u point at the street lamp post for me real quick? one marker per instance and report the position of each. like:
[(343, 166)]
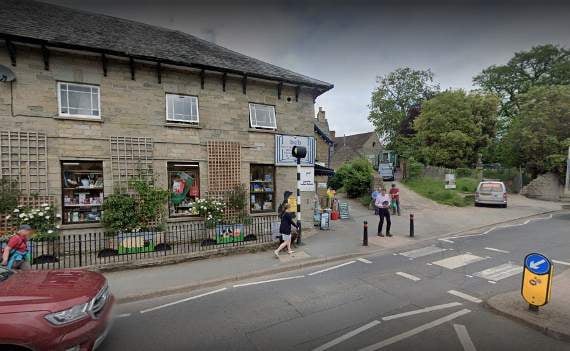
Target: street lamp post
[(299, 152)]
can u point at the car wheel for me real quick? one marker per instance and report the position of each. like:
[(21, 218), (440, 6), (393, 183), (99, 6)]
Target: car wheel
[(477, 204)]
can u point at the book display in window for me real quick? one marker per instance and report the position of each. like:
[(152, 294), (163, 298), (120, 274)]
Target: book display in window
[(184, 188), (82, 191), (262, 188)]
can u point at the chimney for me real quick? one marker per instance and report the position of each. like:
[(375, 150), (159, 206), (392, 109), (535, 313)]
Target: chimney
[(333, 134), (321, 115)]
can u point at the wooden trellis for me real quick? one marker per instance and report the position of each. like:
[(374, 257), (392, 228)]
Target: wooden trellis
[(224, 169), (23, 157), (131, 157), (7, 224)]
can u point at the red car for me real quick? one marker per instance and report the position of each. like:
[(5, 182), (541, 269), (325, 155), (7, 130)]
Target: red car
[(67, 310)]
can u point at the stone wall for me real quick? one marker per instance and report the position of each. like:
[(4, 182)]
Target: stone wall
[(544, 187), (137, 108)]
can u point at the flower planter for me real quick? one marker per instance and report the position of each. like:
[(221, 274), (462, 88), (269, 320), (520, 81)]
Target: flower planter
[(139, 242)]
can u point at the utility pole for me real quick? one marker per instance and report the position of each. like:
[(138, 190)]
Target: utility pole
[(299, 152)]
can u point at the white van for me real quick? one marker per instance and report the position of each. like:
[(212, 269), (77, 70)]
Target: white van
[(386, 171), (491, 192)]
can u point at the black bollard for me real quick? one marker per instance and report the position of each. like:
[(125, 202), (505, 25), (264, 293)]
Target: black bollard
[(411, 225), (365, 234)]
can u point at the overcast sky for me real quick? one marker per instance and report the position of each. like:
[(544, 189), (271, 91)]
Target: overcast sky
[(350, 43)]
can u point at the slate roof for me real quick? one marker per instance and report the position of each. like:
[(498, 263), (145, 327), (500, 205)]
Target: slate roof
[(322, 128), (350, 147), (355, 141), (57, 26)]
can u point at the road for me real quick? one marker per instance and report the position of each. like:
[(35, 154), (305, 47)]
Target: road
[(425, 297)]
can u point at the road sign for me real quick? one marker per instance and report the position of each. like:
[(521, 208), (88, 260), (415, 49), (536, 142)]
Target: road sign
[(537, 263), (537, 280)]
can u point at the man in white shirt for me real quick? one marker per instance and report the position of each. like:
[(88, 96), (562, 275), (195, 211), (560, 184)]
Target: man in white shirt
[(382, 202)]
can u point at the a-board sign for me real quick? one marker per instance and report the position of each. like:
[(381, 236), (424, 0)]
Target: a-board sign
[(537, 279), (343, 209)]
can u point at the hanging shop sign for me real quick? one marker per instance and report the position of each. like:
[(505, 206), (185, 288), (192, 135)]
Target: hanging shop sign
[(284, 150), (307, 179)]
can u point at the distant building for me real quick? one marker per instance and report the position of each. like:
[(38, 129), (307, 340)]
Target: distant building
[(324, 140), (351, 147)]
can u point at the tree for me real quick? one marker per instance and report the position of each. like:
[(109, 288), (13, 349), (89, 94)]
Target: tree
[(355, 177), (541, 65), (454, 127), (396, 94), (540, 135)]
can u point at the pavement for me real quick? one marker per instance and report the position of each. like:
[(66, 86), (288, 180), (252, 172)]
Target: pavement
[(344, 240), (428, 295), (552, 319)]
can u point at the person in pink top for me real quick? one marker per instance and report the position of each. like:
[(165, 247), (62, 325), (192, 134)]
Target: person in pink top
[(382, 202)]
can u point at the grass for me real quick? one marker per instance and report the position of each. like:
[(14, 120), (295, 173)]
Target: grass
[(434, 189)]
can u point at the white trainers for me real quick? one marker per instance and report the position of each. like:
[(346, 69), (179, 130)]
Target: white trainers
[(290, 252), (276, 254)]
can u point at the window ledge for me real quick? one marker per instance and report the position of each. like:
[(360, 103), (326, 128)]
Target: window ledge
[(182, 125), (184, 219), (82, 119), (259, 130), (81, 226)]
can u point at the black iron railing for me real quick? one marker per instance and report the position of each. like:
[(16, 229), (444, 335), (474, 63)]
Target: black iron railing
[(104, 248)]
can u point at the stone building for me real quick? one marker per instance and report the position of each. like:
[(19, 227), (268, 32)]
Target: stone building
[(324, 140), (351, 147), (97, 100)]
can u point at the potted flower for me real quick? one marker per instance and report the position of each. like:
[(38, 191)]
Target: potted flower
[(212, 211)]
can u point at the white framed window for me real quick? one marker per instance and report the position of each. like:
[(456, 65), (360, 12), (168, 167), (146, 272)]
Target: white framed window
[(262, 116), (78, 100), (182, 108)]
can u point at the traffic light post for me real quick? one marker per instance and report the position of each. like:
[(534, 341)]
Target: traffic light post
[(299, 152)]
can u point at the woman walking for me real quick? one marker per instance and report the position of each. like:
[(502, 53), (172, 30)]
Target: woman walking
[(285, 230)]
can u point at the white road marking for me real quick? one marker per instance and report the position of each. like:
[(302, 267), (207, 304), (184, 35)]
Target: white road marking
[(446, 241), (183, 300), (458, 261), (269, 281), (429, 264), (491, 282), (124, 315), (423, 310), (561, 262), (415, 331), (464, 296), (500, 272), (496, 250), (468, 276), (347, 336), (331, 268), (501, 226), (424, 251), (464, 337), (363, 260), (408, 276)]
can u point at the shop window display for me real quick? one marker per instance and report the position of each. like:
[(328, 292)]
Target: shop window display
[(262, 188), (82, 191), (184, 186)]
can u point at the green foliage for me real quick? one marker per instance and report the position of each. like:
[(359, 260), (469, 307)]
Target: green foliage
[(466, 185), (415, 168), (9, 194), (541, 65), (119, 213), (150, 203), (539, 136), (454, 126), (503, 174), (146, 209), (434, 189), (354, 177), (42, 219), (359, 179), (464, 172), (395, 95), (237, 198), (211, 210)]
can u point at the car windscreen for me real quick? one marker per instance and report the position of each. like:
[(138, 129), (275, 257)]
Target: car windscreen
[(491, 187)]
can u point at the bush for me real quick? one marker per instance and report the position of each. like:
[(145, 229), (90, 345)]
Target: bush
[(467, 185), (118, 213), (365, 200), (354, 177), (464, 172)]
